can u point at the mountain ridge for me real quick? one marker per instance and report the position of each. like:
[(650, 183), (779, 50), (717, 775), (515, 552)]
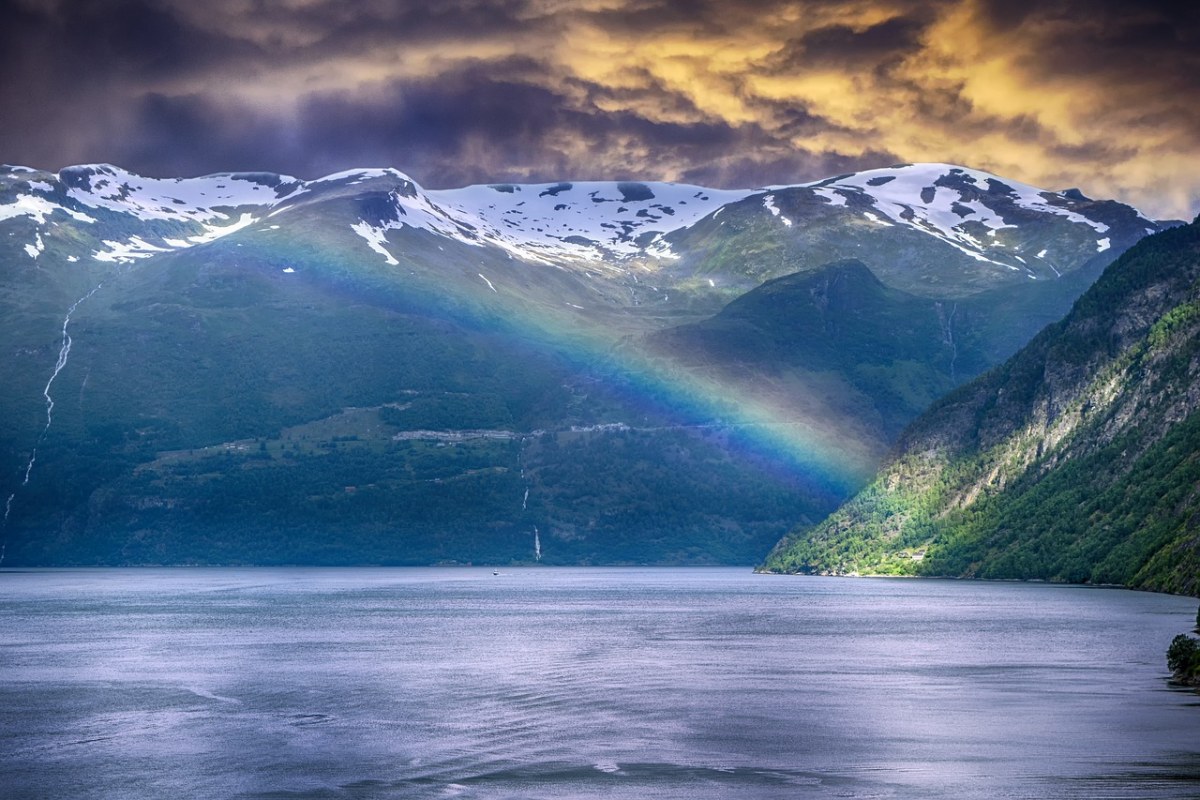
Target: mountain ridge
[(1075, 461), (951, 203), (247, 366)]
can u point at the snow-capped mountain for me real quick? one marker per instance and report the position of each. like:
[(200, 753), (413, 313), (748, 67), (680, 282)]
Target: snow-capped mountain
[(933, 229), (549, 223), (254, 368), (1073, 461), (967, 208), (128, 217), (564, 222), (963, 213)]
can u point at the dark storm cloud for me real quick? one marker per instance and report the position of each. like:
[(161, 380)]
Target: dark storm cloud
[(447, 129), (1102, 93), (1129, 41), (74, 77), (112, 41), (192, 135), (778, 168), (475, 127), (845, 46)]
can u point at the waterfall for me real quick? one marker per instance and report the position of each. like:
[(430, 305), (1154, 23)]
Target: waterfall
[(64, 353)]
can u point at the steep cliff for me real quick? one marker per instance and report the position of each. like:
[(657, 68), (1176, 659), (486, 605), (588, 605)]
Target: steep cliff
[(1076, 460)]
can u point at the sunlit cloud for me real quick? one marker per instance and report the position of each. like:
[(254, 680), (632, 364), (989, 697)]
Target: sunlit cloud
[(1102, 95)]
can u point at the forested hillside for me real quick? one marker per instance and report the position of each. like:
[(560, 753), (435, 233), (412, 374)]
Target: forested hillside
[(1076, 460)]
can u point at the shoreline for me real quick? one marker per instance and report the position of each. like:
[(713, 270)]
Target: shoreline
[(1044, 581)]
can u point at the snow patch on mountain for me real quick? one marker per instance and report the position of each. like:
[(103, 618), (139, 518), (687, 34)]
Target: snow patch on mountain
[(214, 232), (769, 203), (376, 238), (293, 190), (38, 209), (415, 210), (834, 197), (360, 175), (34, 250), (136, 247), (597, 225), (947, 201), (103, 186), (206, 203), (555, 224), (129, 251), (587, 220)]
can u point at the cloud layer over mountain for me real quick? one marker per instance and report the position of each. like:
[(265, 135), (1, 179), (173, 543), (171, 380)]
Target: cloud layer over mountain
[(738, 93)]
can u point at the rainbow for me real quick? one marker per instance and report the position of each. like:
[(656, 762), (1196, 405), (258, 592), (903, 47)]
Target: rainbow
[(799, 430)]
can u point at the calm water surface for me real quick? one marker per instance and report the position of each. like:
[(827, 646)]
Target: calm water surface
[(584, 683)]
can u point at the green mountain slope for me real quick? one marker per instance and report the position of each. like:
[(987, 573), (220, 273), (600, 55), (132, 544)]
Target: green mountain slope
[(248, 368), (874, 357), (1076, 460), (216, 409)]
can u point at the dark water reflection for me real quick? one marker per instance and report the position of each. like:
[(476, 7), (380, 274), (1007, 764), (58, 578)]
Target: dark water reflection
[(586, 683)]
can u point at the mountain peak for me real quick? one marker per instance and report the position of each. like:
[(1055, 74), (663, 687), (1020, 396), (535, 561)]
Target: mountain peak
[(446, 338), (988, 225), (363, 174), (1072, 461)]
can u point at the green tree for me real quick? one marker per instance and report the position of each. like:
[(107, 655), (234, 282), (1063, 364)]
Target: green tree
[(1183, 658)]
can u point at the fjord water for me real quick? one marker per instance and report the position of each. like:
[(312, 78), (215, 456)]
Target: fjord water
[(584, 683)]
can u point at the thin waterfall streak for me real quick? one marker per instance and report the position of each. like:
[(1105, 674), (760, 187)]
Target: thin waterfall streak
[(64, 354), (29, 466)]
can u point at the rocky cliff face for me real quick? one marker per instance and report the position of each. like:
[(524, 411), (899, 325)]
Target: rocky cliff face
[(1076, 460)]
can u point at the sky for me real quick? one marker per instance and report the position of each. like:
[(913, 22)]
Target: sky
[(1103, 95)]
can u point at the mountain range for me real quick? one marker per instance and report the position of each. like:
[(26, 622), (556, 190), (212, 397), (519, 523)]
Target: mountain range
[(1076, 460), (251, 368)]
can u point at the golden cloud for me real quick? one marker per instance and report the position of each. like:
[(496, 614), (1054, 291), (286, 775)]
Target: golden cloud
[(1053, 93)]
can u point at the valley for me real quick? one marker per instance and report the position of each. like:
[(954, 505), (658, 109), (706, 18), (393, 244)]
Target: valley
[(269, 370)]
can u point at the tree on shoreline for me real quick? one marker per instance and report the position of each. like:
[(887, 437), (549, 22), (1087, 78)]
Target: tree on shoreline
[(1183, 659)]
